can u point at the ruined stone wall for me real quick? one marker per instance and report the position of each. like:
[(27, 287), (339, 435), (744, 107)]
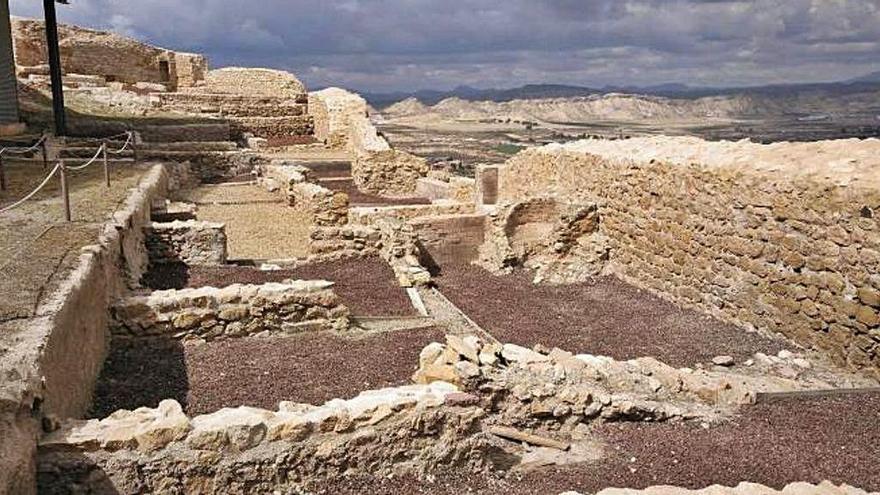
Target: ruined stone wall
[(191, 68), (757, 235), (254, 82), (368, 215), (325, 207), (236, 311), (451, 237), (53, 367), (116, 57), (191, 242), (334, 110), (376, 167)]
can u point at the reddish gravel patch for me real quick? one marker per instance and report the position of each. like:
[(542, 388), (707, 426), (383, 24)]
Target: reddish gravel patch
[(605, 317), (367, 286), (774, 444), (256, 372), (359, 198)]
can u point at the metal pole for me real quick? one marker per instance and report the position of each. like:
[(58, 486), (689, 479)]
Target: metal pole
[(2, 175), (55, 68), (65, 194), (106, 165), (134, 153), (45, 157)]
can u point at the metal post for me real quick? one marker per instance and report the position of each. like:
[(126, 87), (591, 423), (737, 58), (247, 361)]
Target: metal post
[(134, 153), (45, 156), (2, 175), (106, 165), (55, 68), (65, 194)]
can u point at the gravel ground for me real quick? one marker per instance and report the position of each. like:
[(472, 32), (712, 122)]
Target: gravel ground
[(261, 231), (604, 317), (230, 194), (310, 368), (774, 444), (367, 286), (358, 198)]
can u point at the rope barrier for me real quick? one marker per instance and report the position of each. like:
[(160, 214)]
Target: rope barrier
[(86, 165), (124, 146), (32, 193), (16, 150)]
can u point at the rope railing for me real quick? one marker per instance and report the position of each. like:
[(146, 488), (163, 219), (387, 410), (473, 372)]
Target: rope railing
[(124, 146), (91, 161), (34, 192), (21, 151)]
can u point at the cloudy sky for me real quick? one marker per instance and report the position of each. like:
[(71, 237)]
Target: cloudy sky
[(385, 45)]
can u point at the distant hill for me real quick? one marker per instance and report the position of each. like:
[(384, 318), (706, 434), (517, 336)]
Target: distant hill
[(873, 77), (672, 90)]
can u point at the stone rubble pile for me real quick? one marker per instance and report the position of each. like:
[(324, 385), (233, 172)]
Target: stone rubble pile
[(239, 310)]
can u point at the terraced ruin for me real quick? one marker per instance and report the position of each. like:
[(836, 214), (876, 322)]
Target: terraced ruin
[(270, 298)]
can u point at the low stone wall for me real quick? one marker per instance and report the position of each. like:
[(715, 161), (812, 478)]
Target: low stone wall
[(222, 105), (209, 165), (455, 188), (327, 208), (347, 241), (368, 215), (52, 367), (247, 450), (766, 242), (271, 127), (191, 242), (388, 173), (236, 311)]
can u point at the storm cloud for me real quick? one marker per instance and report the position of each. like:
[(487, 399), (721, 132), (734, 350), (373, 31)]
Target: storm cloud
[(384, 45)]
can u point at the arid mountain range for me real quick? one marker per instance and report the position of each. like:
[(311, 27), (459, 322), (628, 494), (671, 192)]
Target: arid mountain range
[(807, 102)]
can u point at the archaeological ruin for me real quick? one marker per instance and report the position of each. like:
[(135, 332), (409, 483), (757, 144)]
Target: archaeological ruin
[(259, 293)]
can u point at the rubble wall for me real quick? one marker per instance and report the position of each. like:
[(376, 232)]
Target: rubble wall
[(116, 57), (377, 168), (239, 310), (191, 242), (773, 237), (53, 367)]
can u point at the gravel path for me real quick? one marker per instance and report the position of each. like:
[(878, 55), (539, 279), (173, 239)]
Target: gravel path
[(604, 317), (775, 444), (367, 286), (310, 368), (262, 230)]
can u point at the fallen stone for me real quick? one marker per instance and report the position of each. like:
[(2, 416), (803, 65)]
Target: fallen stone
[(518, 354), (723, 361)]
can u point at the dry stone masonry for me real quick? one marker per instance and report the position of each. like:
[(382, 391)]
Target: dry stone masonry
[(191, 242), (208, 313), (778, 237)]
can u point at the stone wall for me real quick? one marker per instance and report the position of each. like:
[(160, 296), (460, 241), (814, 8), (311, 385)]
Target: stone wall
[(209, 313), (333, 110), (253, 82), (325, 207), (377, 168), (115, 57), (451, 237), (368, 215), (247, 450), (191, 242), (52, 367), (775, 237), (454, 188)]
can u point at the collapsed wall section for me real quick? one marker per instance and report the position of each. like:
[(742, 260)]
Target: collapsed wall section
[(115, 57), (342, 120), (781, 237)]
